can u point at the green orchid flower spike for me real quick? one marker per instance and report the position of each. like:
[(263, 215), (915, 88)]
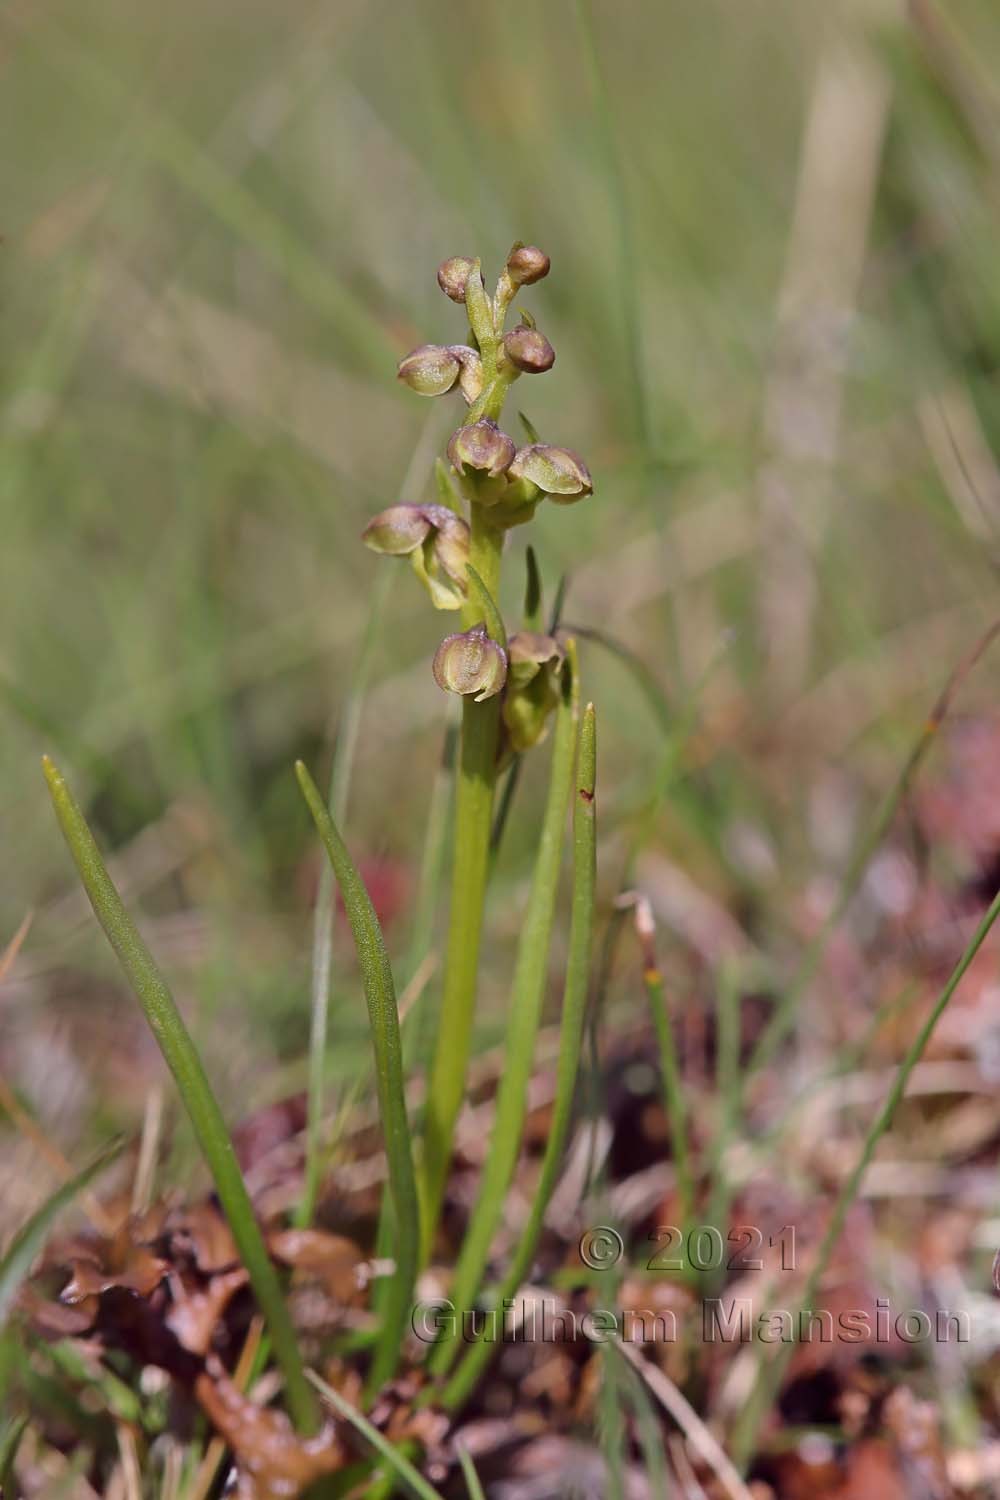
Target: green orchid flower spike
[(510, 690)]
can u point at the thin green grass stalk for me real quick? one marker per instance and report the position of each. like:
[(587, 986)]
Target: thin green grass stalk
[(324, 913), (511, 782), (408, 1475), (727, 1090), (425, 907), (845, 1061), (645, 680), (771, 1371), (418, 1036), (472, 1481), (785, 1012), (470, 865), (650, 1438), (524, 1013), (380, 994), (628, 257), (24, 1247), (182, 1058), (574, 1009), (673, 1091), (10, 1440), (611, 1434)]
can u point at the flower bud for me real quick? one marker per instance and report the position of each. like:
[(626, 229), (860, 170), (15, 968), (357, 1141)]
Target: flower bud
[(436, 541), (397, 530), (481, 446), (529, 350), (430, 370), (452, 276), (527, 264), (536, 662), (560, 473), (470, 662)]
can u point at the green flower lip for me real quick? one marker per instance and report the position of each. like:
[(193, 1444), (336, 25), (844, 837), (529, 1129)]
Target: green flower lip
[(557, 471), (430, 370)]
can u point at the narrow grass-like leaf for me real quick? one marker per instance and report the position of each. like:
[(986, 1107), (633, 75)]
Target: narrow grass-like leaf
[(408, 1475), (417, 1043), (380, 995), (645, 680), (182, 1058), (532, 592), (649, 1434), (30, 1238), (574, 1010), (610, 1424), (524, 1012), (491, 614), (770, 1371), (323, 916), (472, 1481), (10, 1440), (727, 1093), (673, 1091)]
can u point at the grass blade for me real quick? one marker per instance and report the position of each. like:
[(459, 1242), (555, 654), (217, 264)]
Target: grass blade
[(673, 1085), (527, 994), (323, 917), (472, 1482), (570, 1041), (770, 1372), (380, 995), (21, 1252), (181, 1057), (414, 1482), (10, 1440), (491, 614)]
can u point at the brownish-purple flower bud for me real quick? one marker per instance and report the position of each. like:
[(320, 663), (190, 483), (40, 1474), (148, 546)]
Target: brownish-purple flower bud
[(529, 350), (452, 276), (535, 664), (483, 447), (526, 264), (430, 370), (470, 663), (436, 541), (558, 472)]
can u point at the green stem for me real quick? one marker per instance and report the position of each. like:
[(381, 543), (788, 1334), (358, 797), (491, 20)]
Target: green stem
[(574, 1008), (673, 1092), (527, 993), (182, 1058), (470, 862), (771, 1372), (380, 996)]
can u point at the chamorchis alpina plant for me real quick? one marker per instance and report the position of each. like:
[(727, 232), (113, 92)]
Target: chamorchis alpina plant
[(511, 687), (413, 1378), (515, 688)]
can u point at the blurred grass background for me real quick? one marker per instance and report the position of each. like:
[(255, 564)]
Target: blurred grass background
[(775, 301)]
